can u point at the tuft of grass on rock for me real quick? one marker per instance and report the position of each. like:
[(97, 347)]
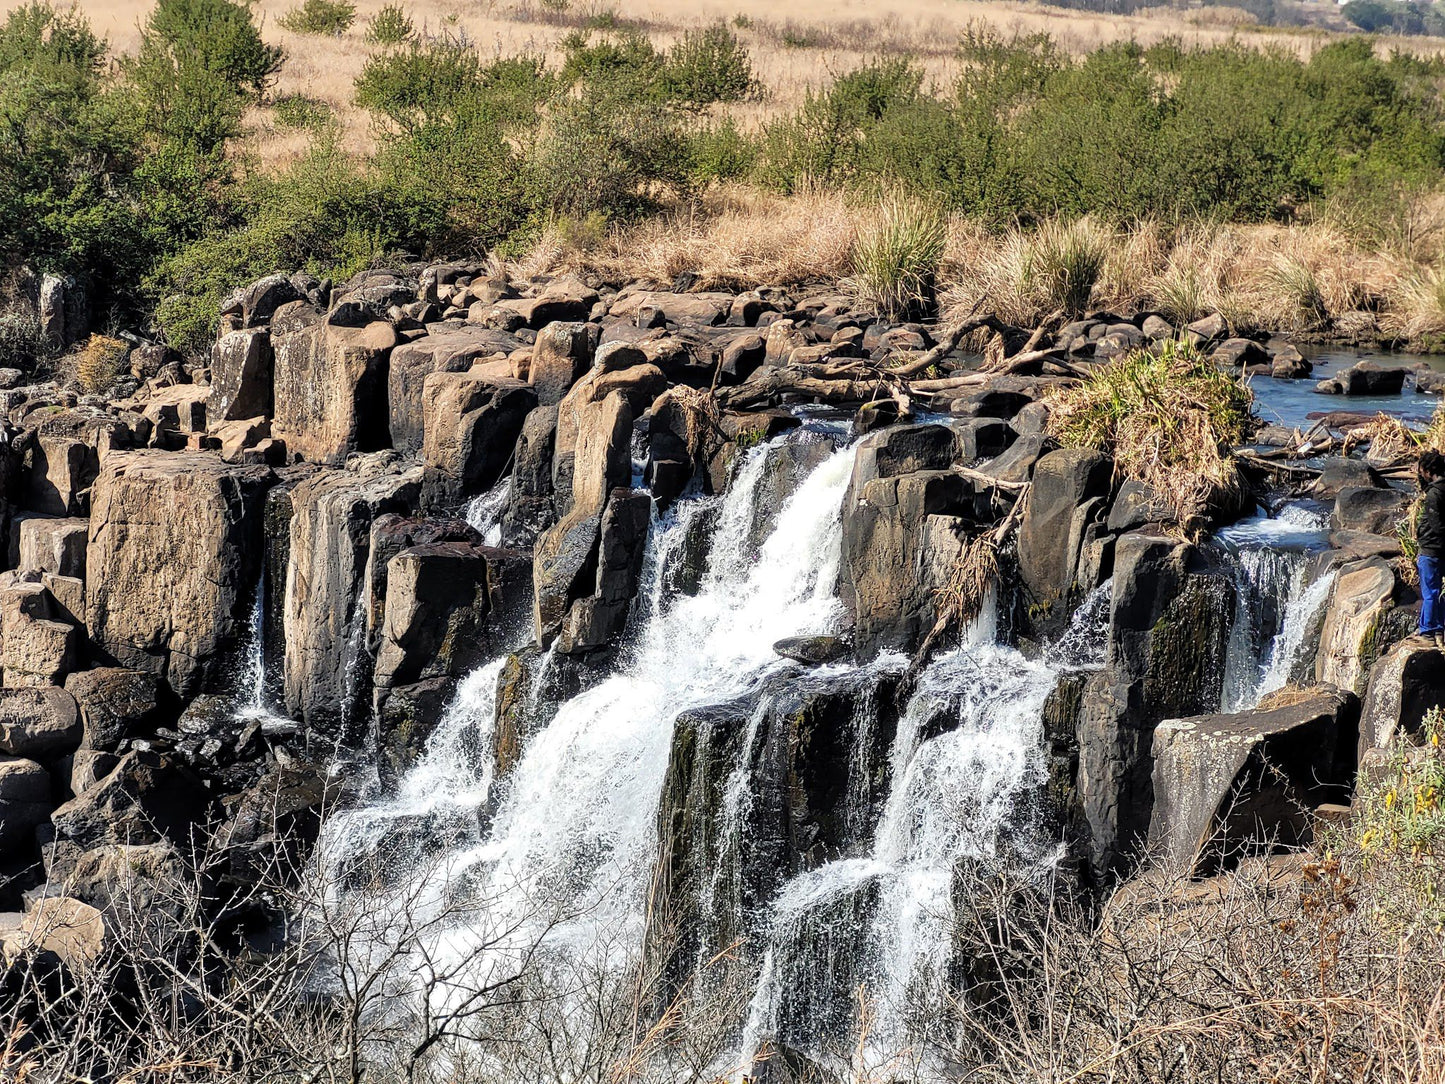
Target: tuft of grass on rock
[(330, 18), (896, 257), (101, 363), (1170, 419)]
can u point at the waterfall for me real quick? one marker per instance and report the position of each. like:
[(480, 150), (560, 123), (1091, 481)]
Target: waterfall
[(553, 866), (565, 850), (1274, 601), (966, 754), (484, 512)]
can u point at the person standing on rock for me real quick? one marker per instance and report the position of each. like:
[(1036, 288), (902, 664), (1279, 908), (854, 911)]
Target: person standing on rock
[(1430, 541)]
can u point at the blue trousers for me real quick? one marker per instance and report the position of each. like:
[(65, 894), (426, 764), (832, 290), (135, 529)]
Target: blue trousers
[(1432, 613)]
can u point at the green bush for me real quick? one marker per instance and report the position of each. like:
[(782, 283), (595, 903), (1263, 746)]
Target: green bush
[(389, 26), (328, 17), (200, 63), (299, 111), (708, 66)]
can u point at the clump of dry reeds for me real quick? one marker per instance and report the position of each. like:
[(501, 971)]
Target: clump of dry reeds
[(1170, 419)]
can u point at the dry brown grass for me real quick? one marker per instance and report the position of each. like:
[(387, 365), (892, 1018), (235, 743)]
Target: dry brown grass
[(839, 35), (1260, 277)]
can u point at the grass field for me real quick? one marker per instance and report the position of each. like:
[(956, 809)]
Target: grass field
[(794, 47)]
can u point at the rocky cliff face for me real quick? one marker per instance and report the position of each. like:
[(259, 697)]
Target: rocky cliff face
[(265, 582)]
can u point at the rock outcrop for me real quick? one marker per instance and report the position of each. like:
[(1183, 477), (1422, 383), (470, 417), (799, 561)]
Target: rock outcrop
[(172, 561)]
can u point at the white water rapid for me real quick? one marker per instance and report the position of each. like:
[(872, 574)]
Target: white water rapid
[(1276, 604)]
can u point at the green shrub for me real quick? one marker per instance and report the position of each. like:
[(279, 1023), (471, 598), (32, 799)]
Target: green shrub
[(327, 17), (299, 111), (896, 258), (708, 66), (200, 63), (389, 26), (825, 139), (719, 152)]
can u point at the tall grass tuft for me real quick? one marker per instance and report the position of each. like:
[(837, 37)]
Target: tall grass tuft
[(1170, 419), (1299, 288), (1056, 266), (896, 257)]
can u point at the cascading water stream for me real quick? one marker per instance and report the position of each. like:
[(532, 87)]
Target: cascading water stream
[(1275, 602), (966, 754), (562, 853), (484, 512), (569, 847)]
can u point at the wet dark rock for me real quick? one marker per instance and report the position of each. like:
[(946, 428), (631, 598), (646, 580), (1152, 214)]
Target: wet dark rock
[(982, 437), (146, 798), (530, 503), (1365, 378), (1357, 544), (1239, 353), (1289, 364), (1070, 495), (1341, 473), (114, 704), (814, 650), (1168, 627), (816, 767), (1369, 509)]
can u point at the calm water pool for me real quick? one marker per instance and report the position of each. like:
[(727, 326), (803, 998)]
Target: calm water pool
[(1295, 403)]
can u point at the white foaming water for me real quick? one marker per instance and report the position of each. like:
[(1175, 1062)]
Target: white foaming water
[(1286, 652), (572, 843), (484, 512), (953, 796), (1274, 601), (582, 807), (452, 779)]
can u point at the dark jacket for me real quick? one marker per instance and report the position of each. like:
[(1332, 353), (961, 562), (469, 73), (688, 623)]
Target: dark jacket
[(1430, 531)]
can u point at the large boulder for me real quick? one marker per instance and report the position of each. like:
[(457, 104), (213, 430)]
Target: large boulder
[(1369, 378), (531, 507), (1369, 509), (240, 377), (1404, 684), (1169, 621), (1070, 493), (450, 350), (473, 420), (1226, 786), (24, 803), (562, 353), (39, 723), (60, 459), (38, 646), (327, 670), (174, 553), (904, 518), (54, 545), (330, 385), (1362, 593), (146, 798), (114, 704), (439, 598)]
